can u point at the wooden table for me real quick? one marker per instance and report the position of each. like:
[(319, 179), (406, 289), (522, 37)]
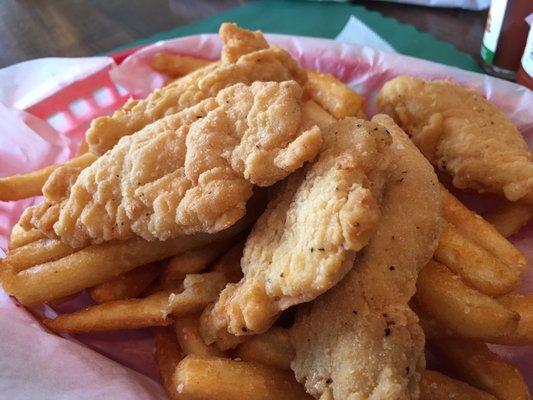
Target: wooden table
[(40, 28)]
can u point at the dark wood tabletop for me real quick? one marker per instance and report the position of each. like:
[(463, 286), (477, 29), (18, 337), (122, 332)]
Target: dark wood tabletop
[(42, 28)]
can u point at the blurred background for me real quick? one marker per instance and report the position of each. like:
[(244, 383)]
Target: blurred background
[(41, 28), (462, 33)]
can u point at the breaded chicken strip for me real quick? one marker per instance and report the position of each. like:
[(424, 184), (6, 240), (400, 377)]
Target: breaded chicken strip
[(360, 340), (237, 42), (189, 172), (246, 58), (307, 239), (463, 134)]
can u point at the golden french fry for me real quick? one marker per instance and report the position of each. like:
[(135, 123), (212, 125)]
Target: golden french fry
[(120, 314), (20, 236), (125, 286), (199, 377), (478, 230), (510, 218), (477, 266), (470, 313), (154, 310), (193, 261), (176, 65), (38, 252), (522, 336), (334, 96), (271, 348), (432, 328), (523, 305), (480, 367), (189, 338), (437, 386), (18, 187), (99, 263), (167, 356), (198, 291)]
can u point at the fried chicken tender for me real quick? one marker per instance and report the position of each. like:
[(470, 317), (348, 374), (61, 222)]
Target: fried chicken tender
[(360, 340), (188, 172), (238, 41), (246, 58), (55, 191), (463, 134), (307, 239)]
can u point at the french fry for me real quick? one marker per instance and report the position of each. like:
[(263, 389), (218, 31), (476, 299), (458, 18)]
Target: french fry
[(167, 356), (20, 236), (522, 336), (99, 263), (476, 265), (334, 96), (18, 187), (523, 305), (189, 339), (477, 365), (229, 264), (271, 348), (478, 230), (38, 252), (176, 65), (199, 377), (437, 386), (510, 218), (120, 314), (125, 286), (470, 313), (432, 328), (198, 291), (154, 310), (193, 261)]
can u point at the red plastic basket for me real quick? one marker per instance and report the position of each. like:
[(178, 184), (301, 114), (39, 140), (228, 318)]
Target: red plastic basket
[(70, 109)]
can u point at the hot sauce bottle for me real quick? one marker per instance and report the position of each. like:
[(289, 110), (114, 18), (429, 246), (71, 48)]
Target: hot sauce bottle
[(505, 36), (524, 75)]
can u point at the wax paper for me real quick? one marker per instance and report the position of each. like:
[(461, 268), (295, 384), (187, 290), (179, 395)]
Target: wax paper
[(35, 364), (26, 83), (357, 32)]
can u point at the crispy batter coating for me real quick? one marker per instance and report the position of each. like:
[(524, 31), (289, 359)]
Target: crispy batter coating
[(238, 41), (463, 134), (360, 340), (189, 172), (307, 239), (246, 58)]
